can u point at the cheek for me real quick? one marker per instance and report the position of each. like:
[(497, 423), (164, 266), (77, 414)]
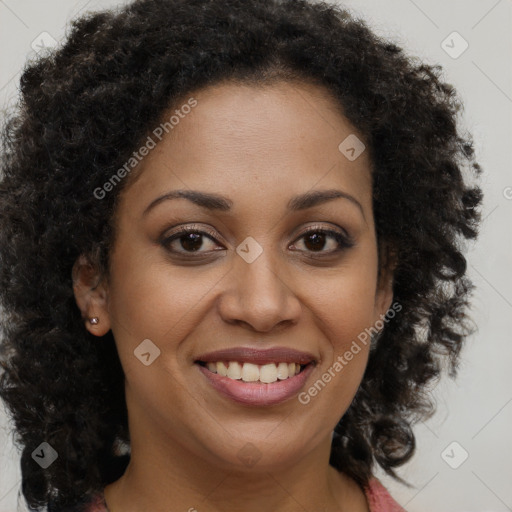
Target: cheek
[(346, 302), (344, 360), (345, 307), (153, 300)]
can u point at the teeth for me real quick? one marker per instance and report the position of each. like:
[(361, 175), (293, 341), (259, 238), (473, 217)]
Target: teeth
[(234, 370), (268, 373), (249, 372), (282, 371), (222, 369)]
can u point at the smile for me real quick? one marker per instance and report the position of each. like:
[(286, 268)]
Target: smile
[(249, 372), (254, 376)]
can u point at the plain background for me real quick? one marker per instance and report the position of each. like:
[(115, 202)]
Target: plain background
[(475, 411)]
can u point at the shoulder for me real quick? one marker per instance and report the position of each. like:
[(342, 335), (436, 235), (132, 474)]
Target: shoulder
[(379, 499)]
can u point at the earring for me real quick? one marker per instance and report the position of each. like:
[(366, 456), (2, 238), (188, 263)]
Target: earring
[(94, 320)]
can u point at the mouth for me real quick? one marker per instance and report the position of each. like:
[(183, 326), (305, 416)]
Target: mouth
[(256, 377), (250, 372)]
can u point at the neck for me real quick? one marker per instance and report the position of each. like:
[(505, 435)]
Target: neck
[(175, 479), (179, 473)]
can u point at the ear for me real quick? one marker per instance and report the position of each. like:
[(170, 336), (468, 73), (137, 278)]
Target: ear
[(388, 261), (91, 295)]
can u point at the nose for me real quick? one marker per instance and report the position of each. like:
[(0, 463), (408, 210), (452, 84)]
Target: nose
[(259, 295)]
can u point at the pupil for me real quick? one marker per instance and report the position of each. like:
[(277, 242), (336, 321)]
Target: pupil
[(189, 241), (318, 240)]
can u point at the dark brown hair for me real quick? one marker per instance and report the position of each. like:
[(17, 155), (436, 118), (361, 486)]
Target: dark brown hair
[(86, 106)]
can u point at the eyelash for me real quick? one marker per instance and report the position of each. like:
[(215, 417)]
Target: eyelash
[(344, 241)]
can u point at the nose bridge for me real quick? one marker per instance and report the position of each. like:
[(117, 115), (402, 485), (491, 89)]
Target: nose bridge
[(258, 294), (262, 274), (257, 271)]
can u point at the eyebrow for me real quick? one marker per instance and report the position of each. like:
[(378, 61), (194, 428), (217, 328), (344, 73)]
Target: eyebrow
[(221, 203)]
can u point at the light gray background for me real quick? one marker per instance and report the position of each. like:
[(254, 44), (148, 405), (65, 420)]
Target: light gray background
[(474, 411)]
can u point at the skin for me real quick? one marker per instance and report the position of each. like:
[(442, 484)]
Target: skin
[(258, 146)]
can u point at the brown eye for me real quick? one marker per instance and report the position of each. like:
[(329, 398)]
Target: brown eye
[(187, 240), (316, 239)]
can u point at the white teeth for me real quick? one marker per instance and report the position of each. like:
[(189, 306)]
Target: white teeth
[(234, 370), (282, 371), (268, 373), (222, 369), (249, 372)]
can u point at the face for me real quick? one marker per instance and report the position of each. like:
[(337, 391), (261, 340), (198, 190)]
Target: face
[(268, 273)]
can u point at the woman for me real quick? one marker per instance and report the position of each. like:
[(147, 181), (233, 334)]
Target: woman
[(231, 259)]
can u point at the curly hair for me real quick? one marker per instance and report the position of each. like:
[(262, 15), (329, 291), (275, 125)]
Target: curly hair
[(86, 106)]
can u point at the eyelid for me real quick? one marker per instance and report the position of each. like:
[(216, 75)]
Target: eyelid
[(184, 229)]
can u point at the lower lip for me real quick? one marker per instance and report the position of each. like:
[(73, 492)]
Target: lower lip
[(256, 393)]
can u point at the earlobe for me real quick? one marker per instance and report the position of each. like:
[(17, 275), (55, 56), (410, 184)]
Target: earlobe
[(91, 296)]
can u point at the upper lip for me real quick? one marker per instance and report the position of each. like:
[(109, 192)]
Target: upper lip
[(258, 355)]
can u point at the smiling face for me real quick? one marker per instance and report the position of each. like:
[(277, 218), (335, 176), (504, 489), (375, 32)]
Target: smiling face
[(271, 264)]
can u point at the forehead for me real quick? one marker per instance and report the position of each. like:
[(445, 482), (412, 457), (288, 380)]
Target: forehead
[(253, 143)]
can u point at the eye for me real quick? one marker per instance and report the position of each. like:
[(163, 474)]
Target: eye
[(189, 239), (316, 239)]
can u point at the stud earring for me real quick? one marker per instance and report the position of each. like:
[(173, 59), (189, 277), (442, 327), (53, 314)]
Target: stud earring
[(94, 320)]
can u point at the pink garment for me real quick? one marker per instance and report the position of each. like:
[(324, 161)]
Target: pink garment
[(379, 500)]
